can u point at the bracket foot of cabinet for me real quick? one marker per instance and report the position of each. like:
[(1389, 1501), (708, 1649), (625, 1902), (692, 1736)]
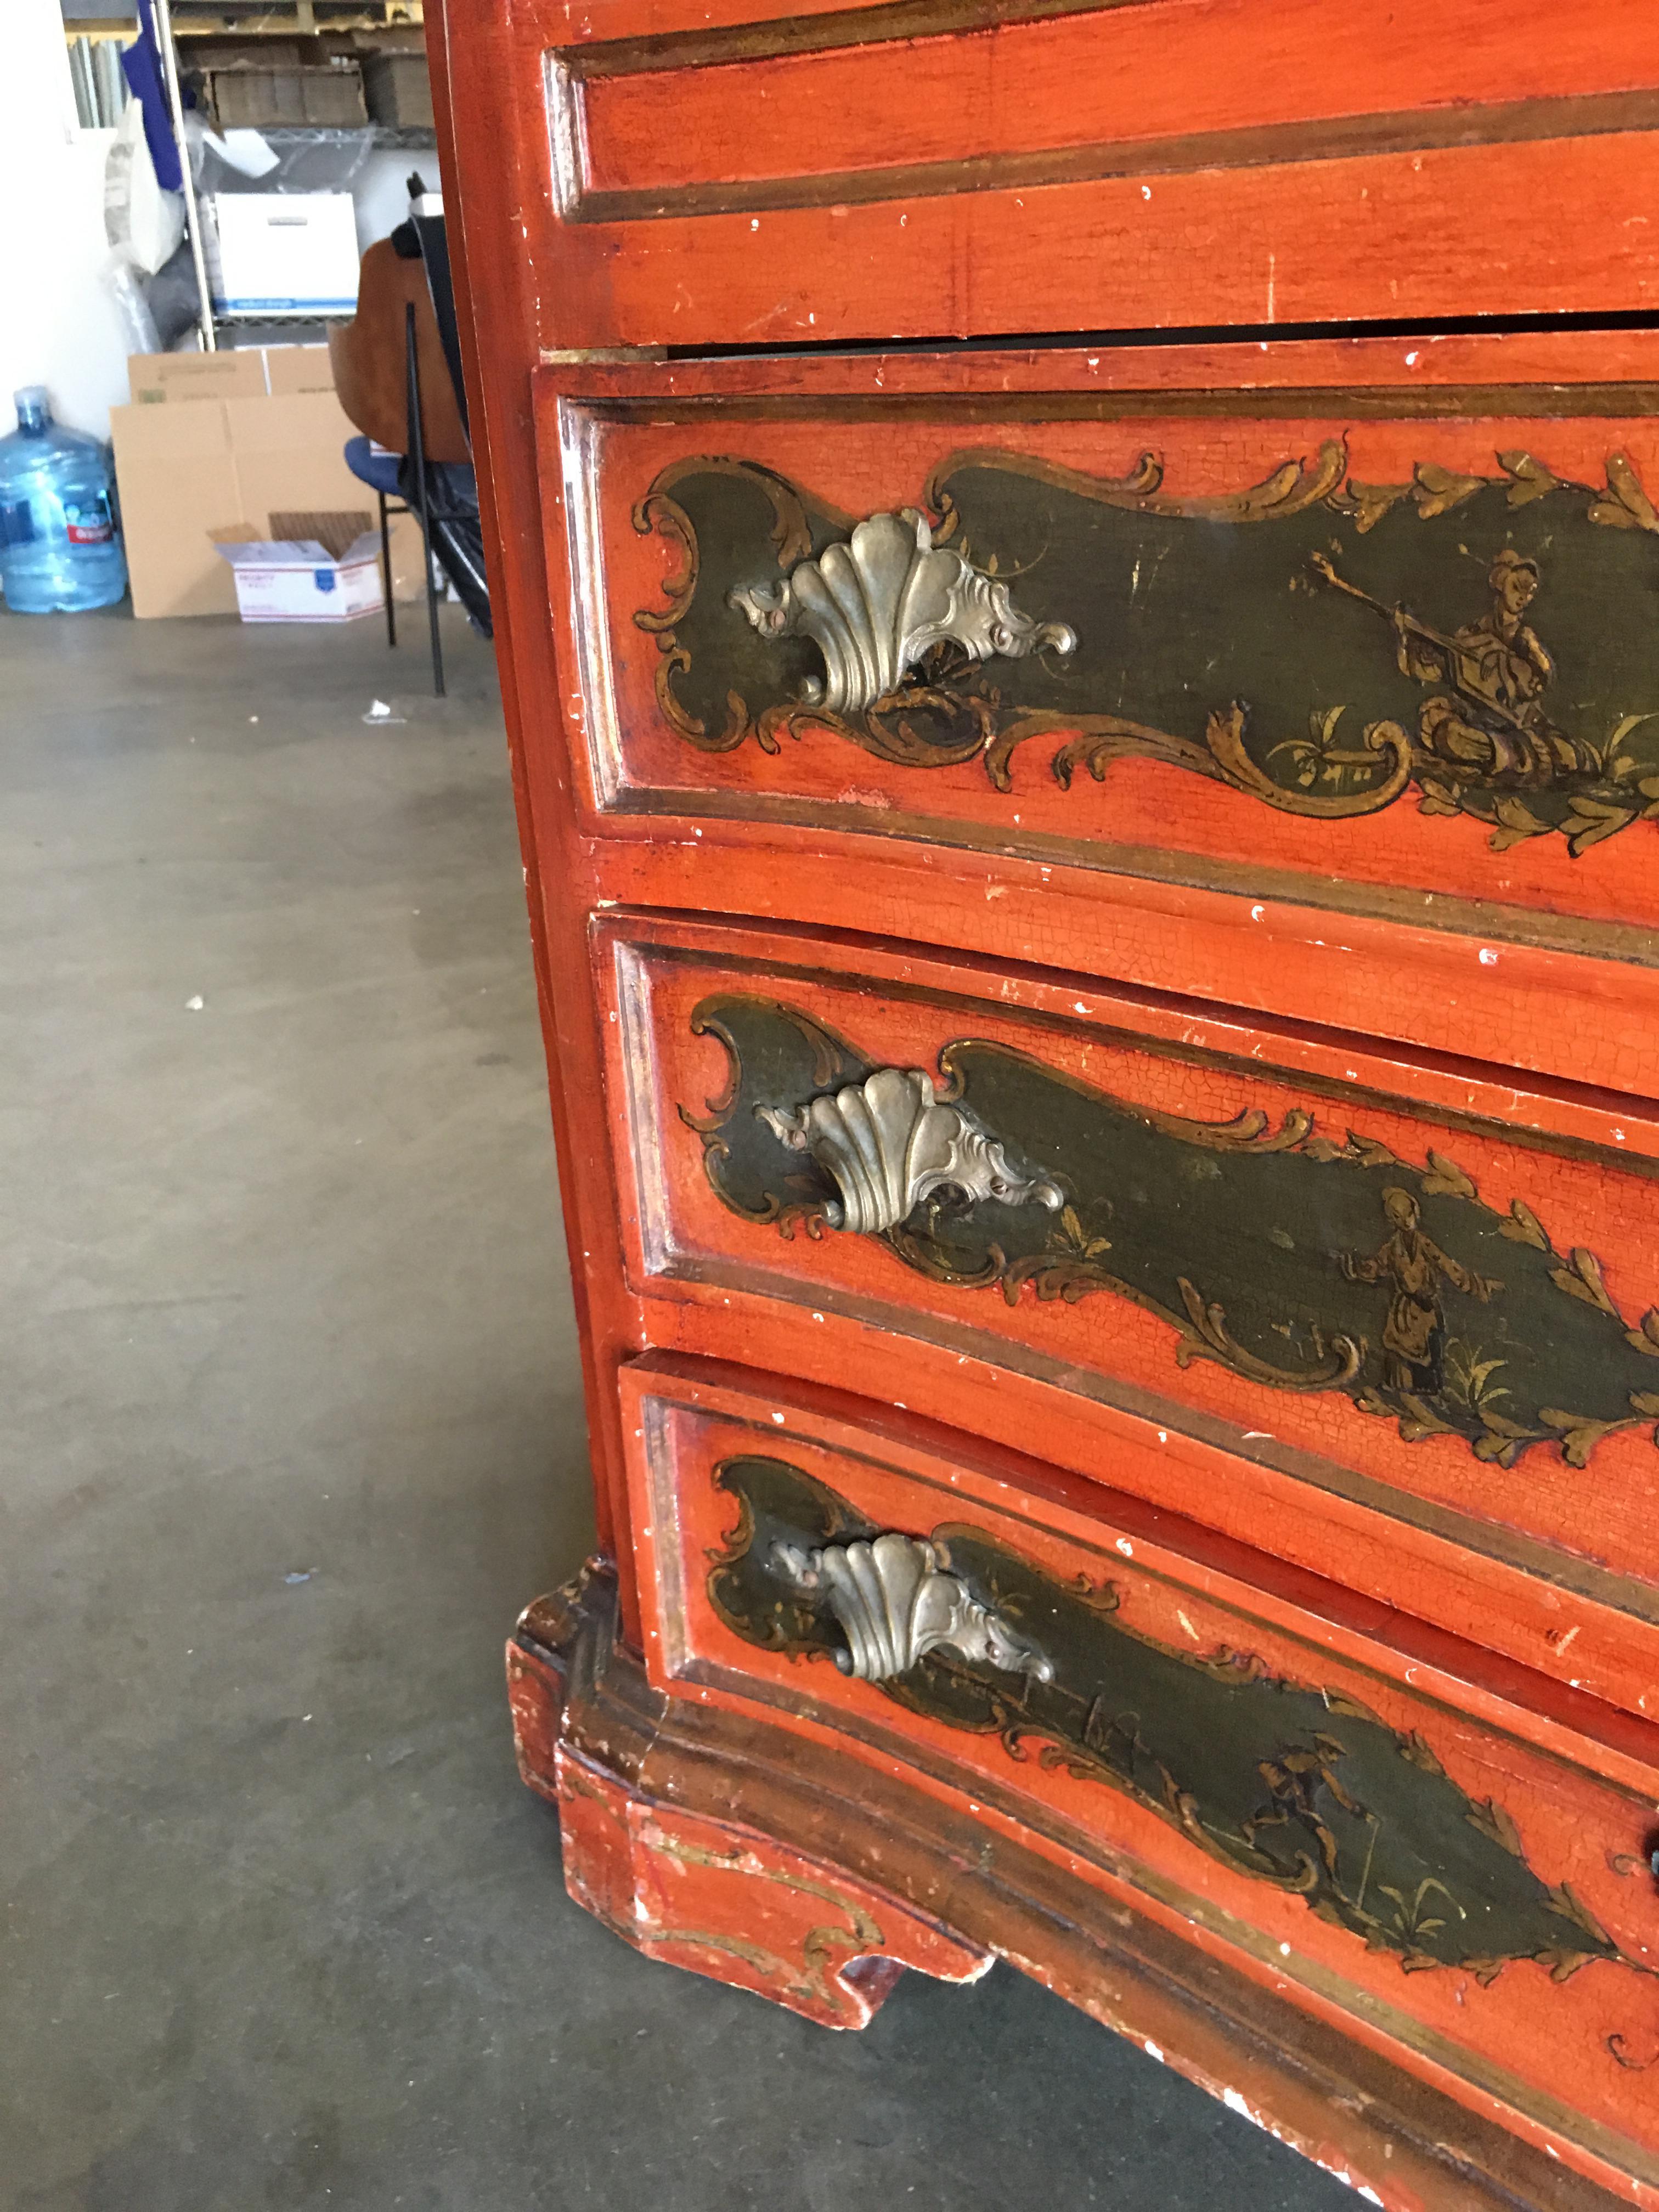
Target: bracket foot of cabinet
[(716, 1895), (691, 1829)]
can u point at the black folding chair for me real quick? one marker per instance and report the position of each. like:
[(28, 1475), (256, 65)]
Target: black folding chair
[(443, 497)]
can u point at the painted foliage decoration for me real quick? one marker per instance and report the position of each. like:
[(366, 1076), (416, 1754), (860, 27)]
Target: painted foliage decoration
[(1300, 1260), (1288, 1782), (1320, 645)]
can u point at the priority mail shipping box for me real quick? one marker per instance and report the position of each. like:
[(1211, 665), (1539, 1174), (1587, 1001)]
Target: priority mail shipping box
[(332, 577), (191, 467)]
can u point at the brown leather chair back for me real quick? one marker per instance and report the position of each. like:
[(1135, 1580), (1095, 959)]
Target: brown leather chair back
[(369, 359)]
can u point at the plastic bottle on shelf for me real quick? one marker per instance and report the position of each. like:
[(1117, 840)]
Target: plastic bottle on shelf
[(59, 549)]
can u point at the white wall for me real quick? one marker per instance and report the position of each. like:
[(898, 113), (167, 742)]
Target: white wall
[(58, 324)]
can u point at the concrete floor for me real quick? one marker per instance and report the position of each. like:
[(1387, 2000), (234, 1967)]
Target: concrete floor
[(292, 1429)]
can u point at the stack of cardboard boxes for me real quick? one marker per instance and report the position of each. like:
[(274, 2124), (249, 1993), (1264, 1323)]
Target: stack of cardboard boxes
[(336, 80), (212, 445)]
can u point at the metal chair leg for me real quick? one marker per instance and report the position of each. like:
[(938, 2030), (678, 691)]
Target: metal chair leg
[(386, 570), (417, 458)]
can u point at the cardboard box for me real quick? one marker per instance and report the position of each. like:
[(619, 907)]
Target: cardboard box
[(398, 89), (177, 478), (199, 52), (389, 38), (329, 98), (199, 465), (304, 580), (290, 452), (154, 379), (298, 368), (280, 253), (192, 466)]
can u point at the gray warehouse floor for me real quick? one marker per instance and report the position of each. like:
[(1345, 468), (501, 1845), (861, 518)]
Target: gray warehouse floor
[(292, 1429)]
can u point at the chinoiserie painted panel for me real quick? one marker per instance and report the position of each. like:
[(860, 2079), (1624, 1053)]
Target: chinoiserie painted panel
[(1417, 655), (1402, 668), (1320, 1807)]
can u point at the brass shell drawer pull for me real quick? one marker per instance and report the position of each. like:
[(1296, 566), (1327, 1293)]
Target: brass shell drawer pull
[(877, 606), (889, 1142), (896, 1602)]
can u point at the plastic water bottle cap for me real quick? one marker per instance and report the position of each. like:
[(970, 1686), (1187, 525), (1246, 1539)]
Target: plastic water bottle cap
[(33, 405)]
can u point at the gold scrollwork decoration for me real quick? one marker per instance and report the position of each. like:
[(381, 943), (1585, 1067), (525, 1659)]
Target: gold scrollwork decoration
[(1295, 1783), (1483, 743), (1297, 1259), (1287, 490)]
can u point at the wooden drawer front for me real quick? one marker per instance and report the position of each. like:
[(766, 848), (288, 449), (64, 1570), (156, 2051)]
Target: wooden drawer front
[(1462, 1882), (726, 125), (746, 173), (1388, 652), (1401, 1302)]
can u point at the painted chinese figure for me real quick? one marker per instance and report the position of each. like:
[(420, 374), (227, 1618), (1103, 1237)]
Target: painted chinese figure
[(1415, 1268)]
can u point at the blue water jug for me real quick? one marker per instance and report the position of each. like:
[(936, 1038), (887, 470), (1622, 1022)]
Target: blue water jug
[(59, 550)]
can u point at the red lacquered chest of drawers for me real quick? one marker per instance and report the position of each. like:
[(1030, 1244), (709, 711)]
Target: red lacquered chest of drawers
[(1076, 590)]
